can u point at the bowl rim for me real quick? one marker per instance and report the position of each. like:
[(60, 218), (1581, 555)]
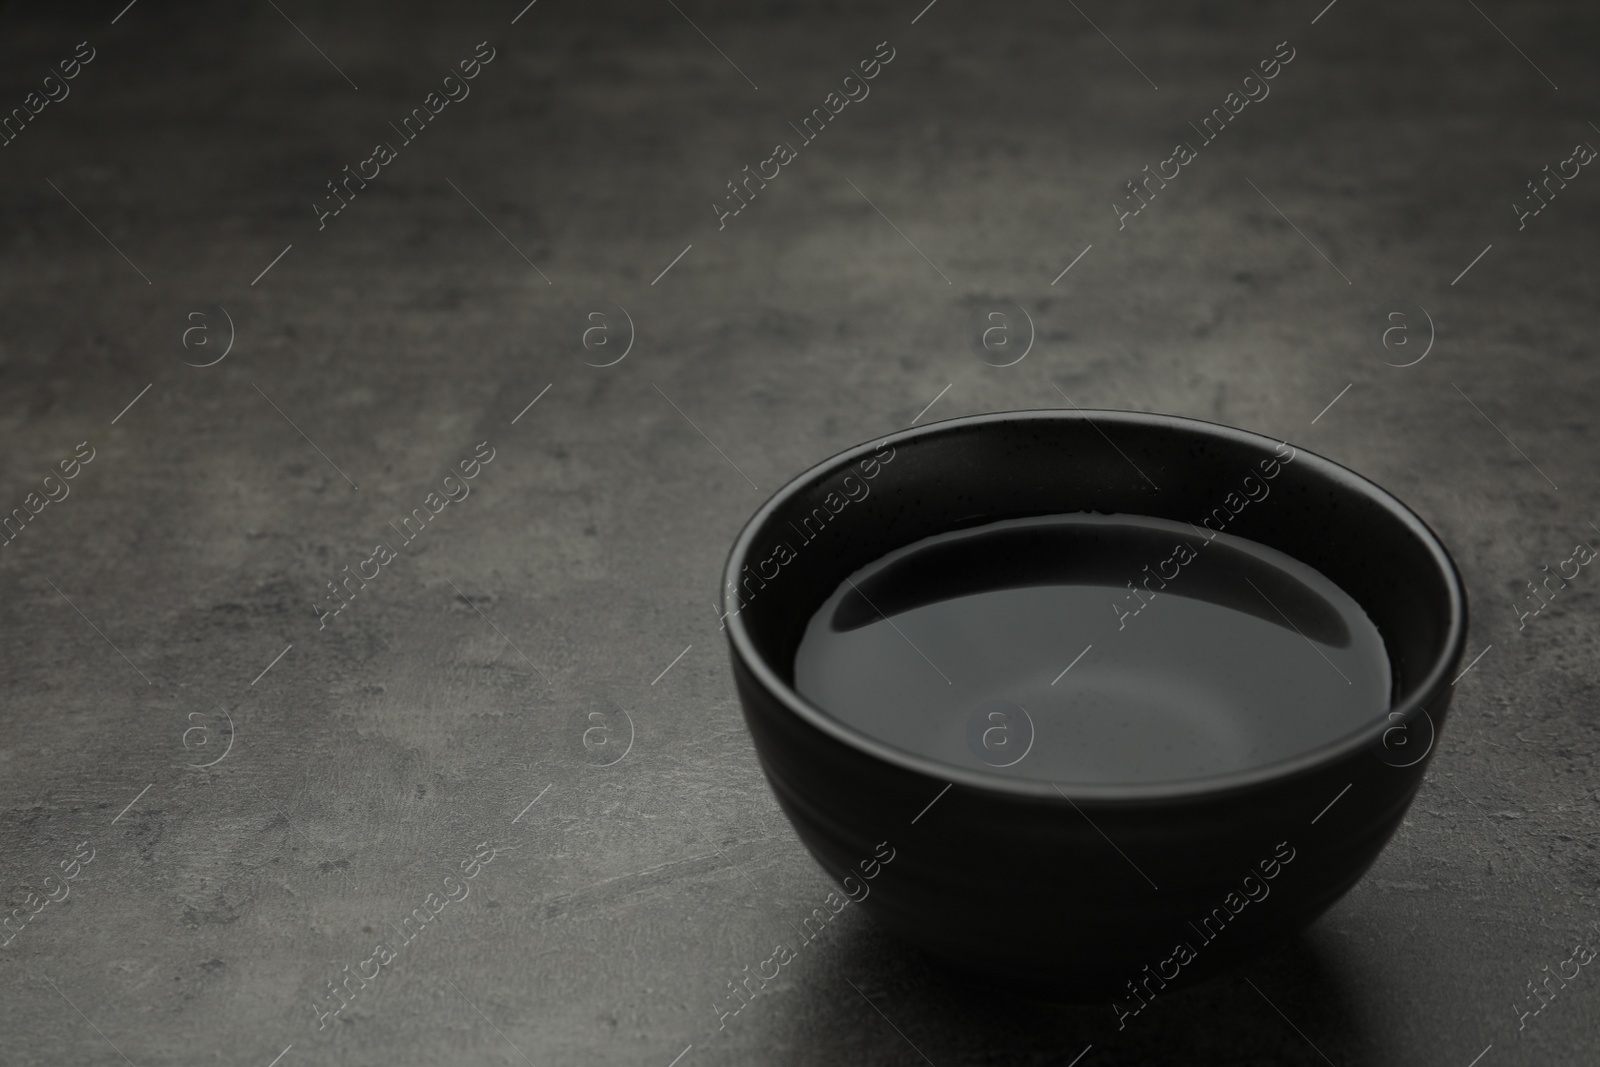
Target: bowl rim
[(1326, 754)]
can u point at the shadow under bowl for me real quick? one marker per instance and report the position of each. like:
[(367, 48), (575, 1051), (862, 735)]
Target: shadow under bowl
[(1088, 890)]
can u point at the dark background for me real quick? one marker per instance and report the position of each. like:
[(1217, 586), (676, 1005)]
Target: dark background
[(466, 681)]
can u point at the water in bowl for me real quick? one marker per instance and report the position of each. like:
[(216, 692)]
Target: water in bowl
[(1095, 649)]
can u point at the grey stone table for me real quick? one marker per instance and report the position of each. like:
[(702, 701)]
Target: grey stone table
[(519, 724)]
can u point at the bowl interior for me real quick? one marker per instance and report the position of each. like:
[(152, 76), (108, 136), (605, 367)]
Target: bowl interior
[(865, 503)]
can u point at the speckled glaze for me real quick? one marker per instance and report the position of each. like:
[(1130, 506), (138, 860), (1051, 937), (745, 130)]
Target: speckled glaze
[(1088, 890)]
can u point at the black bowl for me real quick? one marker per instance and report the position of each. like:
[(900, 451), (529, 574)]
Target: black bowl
[(1087, 889)]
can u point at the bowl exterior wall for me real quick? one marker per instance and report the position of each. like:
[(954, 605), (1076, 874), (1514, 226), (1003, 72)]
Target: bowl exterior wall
[(1080, 897)]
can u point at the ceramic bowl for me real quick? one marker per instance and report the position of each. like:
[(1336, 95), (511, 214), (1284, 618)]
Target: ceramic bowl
[(1090, 890)]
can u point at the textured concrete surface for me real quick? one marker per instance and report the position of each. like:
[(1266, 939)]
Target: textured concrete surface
[(516, 651)]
